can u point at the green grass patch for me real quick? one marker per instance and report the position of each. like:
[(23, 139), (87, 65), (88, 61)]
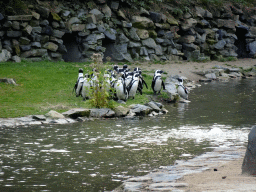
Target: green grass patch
[(44, 86)]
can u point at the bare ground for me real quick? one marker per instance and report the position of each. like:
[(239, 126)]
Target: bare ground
[(188, 69), (228, 177)]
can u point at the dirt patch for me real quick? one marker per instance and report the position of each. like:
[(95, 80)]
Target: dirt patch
[(189, 69), (228, 177)]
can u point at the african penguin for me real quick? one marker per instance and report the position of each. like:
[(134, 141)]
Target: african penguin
[(157, 82), (79, 82), (86, 87), (182, 90), (121, 91), (133, 86)]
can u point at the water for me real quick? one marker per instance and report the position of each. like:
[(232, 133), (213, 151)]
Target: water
[(99, 155)]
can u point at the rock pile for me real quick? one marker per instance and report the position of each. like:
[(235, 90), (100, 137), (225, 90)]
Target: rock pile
[(80, 114), (76, 31)]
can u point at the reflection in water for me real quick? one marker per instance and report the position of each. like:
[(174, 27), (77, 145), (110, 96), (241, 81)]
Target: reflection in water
[(99, 155), (182, 107)]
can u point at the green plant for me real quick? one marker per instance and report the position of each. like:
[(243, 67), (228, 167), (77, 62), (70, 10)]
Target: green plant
[(99, 93)]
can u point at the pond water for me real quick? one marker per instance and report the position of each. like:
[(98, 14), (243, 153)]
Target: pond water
[(99, 155)]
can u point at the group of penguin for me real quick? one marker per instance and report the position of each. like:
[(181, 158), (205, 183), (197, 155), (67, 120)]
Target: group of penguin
[(124, 82)]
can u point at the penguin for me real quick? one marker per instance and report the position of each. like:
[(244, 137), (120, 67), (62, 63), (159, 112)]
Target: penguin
[(121, 70), (107, 82), (182, 90), (133, 86), (128, 78), (79, 83), (141, 81), (121, 90), (86, 87), (157, 82)]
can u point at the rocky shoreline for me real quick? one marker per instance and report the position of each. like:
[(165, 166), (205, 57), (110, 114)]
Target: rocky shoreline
[(151, 108)]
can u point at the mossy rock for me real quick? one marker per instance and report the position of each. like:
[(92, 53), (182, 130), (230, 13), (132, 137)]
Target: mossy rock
[(152, 34), (56, 17), (211, 41)]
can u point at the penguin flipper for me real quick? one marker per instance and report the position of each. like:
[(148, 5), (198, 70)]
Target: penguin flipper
[(153, 84), (140, 90), (143, 82), (163, 85)]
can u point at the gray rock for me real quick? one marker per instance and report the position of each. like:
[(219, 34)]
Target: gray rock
[(249, 162), (39, 117), (110, 34), (66, 13), (133, 34), (211, 76), (121, 39), (190, 46), (103, 112), (220, 44), (143, 51), (44, 22), (159, 40), (16, 59), (77, 112), (8, 81), (91, 26), (43, 11), (155, 17), (24, 41), (140, 110), (34, 53), (36, 44), (158, 50), (95, 37), (25, 47), (58, 33), (121, 111), (114, 5), (14, 34), (5, 55), (54, 115), (51, 46), (252, 48), (134, 44), (154, 106), (150, 43), (97, 13)]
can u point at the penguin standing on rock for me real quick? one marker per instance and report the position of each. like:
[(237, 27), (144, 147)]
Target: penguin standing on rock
[(79, 82), (157, 82), (182, 90)]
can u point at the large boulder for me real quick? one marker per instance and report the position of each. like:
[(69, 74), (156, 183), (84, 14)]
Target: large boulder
[(249, 163)]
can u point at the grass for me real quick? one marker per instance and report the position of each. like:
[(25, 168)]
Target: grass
[(45, 86)]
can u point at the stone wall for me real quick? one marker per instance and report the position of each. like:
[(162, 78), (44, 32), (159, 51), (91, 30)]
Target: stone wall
[(74, 32)]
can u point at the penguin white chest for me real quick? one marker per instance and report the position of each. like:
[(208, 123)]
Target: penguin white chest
[(134, 88), (86, 88), (120, 90), (158, 84)]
